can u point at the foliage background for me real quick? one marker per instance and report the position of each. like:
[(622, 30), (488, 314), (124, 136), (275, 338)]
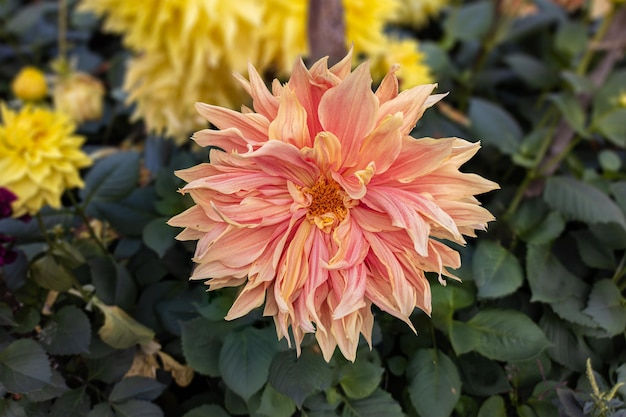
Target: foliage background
[(542, 292)]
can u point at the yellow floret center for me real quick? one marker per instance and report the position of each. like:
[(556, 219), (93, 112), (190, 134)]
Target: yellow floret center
[(327, 203)]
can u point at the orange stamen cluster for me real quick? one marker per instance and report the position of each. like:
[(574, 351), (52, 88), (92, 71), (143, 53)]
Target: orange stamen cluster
[(327, 197)]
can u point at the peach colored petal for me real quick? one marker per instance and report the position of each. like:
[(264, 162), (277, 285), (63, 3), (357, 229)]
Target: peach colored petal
[(229, 139), (349, 111), (383, 145), (263, 100), (417, 158), (388, 88), (252, 125), (411, 103), (292, 164), (251, 297), (351, 247), (351, 289), (326, 152), (290, 124)]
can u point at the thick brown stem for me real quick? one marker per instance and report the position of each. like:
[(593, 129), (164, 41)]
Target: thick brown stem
[(326, 30)]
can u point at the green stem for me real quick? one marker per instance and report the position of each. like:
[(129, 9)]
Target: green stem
[(619, 271), (556, 159), (586, 59), (79, 211), (44, 231), (533, 172), (62, 33)]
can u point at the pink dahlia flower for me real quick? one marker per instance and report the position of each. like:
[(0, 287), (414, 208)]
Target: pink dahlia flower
[(322, 204)]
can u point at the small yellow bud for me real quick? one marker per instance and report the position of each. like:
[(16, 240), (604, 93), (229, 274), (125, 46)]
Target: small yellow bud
[(29, 84), (80, 96), (621, 100)]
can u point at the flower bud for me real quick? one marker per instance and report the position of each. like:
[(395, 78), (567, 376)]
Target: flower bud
[(30, 84), (80, 96)]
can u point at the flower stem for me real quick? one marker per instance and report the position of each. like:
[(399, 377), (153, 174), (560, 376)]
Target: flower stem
[(80, 212), (62, 31), (598, 36)]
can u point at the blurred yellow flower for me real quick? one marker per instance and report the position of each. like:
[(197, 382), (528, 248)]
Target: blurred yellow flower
[(39, 157), (79, 95), (405, 52), (417, 12), (30, 84), (188, 49)]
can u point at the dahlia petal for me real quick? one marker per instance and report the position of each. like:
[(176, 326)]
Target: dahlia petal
[(253, 126), (294, 268), (355, 184), (388, 88), (353, 291), (411, 103), (309, 94), (229, 139), (194, 218), (417, 158), (263, 100), (351, 247), (326, 152), (383, 145), (342, 68), (251, 297), (292, 167), (349, 111), (402, 215), (387, 263), (290, 124)]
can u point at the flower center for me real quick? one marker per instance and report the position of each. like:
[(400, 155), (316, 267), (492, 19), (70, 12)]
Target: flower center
[(327, 198)]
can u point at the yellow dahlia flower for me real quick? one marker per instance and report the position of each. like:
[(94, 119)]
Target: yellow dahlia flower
[(404, 52), (417, 12), (30, 84), (79, 95), (188, 49), (322, 205), (39, 157)]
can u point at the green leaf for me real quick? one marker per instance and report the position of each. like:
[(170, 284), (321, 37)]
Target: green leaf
[(611, 125), (531, 70), (579, 201), (462, 337), (136, 387), (494, 126), (578, 83), (299, 377), (50, 391), (131, 214), (492, 407), (379, 404), (158, 236), (111, 178), (360, 379), (74, 403), (568, 349), (112, 367), (571, 38), (570, 108), (67, 333), (507, 335), (482, 377), (434, 383), (120, 330), (114, 284), (496, 271), (549, 281), (50, 274), (207, 410), (24, 367), (470, 21), (525, 411), (6, 315), (446, 300), (102, 410), (137, 408), (275, 404), (609, 160), (245, 359), (10, 408), (201, 345), (607, 307), (592, 252)]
